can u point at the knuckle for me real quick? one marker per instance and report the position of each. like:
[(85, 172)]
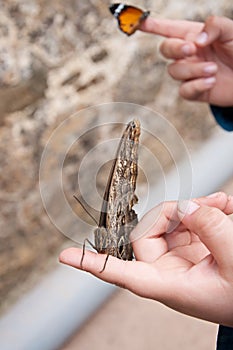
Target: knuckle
[(222, 194), (223, 199), (191, 90), (211, 20), (229, 206), (121, 282), (178, 70), (171, 70), (212, 215), (186, 93), (182, 91), (163, 48), (196, 88), (89, 262), (211, 221)]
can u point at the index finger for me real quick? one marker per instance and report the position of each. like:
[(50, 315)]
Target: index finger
[(156, 222), (219, 200), (125, 274), (170, 28)]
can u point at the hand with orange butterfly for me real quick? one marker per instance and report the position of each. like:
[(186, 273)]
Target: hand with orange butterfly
[(202, 55), (184, 258)]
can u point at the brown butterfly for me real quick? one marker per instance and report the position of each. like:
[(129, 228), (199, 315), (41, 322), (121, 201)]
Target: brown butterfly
[(129, 17), (117, 218)]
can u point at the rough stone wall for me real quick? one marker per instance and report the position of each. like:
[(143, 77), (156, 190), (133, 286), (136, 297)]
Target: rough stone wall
[(58, 57)]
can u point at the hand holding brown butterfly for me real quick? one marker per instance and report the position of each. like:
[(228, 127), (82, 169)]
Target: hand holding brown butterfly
[(189, 269), (202, 55)]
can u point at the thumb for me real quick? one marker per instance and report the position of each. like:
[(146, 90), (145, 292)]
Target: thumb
[(214, 228), (215, 28)]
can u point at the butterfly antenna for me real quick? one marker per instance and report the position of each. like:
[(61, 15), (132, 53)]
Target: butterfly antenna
[(85, 209)]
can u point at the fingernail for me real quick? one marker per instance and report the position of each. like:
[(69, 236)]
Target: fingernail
[(214, 195), (210, 69), (187, 207), (186, 50), (210, 81), (202, 38)]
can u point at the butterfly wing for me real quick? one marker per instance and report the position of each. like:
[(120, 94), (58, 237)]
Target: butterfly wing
[(117, 214), (129, 17)]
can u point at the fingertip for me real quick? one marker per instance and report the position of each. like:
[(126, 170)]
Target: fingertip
[(71, 256), (229, 206), (149, 25), (215, 28), (194, 90), (91, 262), (220, 200), (217, 199), (188, 49), (209, 82), (210, 69), (202, 39)]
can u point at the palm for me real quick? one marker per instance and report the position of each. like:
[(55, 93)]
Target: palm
[(175, 252), (180, 268)]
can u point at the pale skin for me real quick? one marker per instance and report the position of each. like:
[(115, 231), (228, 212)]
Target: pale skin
[(183, 250), (189, 269), (202, 57)]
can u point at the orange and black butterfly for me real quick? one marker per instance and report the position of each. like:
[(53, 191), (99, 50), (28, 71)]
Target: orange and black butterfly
[(129, 17)]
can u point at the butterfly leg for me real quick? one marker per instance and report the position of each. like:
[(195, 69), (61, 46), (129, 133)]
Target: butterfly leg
[(94, 247), (84, 247), (105, 263), (124, 246)]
